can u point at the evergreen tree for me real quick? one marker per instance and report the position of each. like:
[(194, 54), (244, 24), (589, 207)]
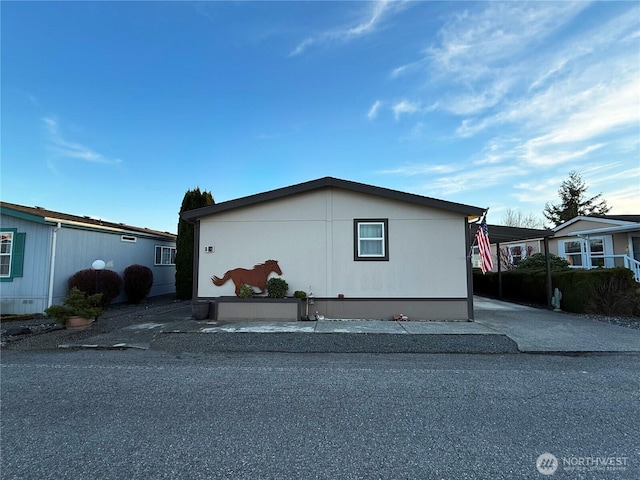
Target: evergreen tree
[(185, 245), (573, 202)]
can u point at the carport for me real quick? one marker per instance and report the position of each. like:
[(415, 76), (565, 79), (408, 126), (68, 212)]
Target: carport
[(501, 234)]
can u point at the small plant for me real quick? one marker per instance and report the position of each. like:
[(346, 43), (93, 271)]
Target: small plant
[(76, 304), (277, 288), (138, 281), (106, 282), (246, 291), (300, 294)]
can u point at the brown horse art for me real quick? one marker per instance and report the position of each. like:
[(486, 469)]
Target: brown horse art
[(256, 277)]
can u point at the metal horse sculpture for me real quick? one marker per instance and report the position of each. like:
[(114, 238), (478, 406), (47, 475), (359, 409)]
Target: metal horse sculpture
[(256, 277)]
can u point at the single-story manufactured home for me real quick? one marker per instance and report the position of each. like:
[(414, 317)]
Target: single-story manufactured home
[(585, 242), (362, 251), (42, 249)]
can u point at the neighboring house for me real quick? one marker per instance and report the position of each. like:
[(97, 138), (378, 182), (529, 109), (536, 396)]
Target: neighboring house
[(362, 251), (588, 242), (41, 249)]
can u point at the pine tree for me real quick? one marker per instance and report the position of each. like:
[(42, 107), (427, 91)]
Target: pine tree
[(184, 243), (573, 202)]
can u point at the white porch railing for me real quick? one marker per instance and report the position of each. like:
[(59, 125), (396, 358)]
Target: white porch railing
[(621, 261)]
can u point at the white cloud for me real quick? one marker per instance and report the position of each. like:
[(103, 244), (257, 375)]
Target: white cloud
[(624, 200), (473, 178), (373, 111), (64, 148), (404, 107), (420, 169), (369, 23), (473, 44)]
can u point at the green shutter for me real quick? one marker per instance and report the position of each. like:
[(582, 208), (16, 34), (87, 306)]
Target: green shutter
[(17, 255)]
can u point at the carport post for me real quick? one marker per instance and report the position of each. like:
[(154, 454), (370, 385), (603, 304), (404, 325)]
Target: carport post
[(549, 289), (499, 271)]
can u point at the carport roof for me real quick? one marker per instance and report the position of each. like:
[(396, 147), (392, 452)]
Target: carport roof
[(502, 233)]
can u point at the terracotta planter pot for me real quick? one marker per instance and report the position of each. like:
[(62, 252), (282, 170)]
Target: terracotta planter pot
[(78, 323)]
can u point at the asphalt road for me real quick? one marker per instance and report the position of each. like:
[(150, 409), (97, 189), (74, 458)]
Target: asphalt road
[(152, 415)]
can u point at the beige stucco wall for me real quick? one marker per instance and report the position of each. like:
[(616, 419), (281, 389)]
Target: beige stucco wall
[(311, 236)]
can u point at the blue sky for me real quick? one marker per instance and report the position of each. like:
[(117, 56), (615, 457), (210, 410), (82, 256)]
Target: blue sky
[(116, 109)]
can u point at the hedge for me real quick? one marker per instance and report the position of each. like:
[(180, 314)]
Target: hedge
[(609, 291)]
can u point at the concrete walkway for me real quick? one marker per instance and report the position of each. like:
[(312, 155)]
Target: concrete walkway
[(499, 327)]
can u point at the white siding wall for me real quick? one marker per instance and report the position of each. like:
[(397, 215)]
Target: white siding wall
[(311, 236)]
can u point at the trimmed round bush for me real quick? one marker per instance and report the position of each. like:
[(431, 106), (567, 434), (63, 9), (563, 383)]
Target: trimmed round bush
[(138, 281), (277, 288), (246, 291), (90, 282)]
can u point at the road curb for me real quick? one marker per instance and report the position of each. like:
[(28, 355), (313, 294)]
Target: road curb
[(296, 342)]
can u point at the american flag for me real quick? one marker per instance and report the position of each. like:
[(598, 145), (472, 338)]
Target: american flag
[(484, 247)]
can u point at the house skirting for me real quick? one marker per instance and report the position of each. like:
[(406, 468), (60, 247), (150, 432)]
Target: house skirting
[(419, 309), (229, 309)]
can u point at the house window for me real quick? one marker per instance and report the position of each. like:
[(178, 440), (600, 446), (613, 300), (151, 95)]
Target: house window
[(5, 254), (165, 255), (576, 252), (11, 254), (475, 257), (516, 254), (573, 252), (597, 248), (371, 239)]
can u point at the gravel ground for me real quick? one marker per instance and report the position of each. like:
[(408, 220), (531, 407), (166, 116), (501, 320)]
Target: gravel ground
[(28, 334)]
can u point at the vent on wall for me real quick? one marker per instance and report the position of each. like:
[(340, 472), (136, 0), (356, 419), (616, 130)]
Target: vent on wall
[(128, 238)]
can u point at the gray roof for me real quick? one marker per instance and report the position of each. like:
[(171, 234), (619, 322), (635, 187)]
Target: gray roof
[(330, 182), (43, 215)]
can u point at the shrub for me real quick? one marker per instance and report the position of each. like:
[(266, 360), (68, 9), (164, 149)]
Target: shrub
[(277, 288), (109, 283), (138, 281), (609, 291), (246, 291), (76, 304), (300, 294), (616, 295), (538, 260)]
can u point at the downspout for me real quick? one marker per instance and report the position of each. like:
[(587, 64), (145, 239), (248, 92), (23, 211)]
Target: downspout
[(52, 265)]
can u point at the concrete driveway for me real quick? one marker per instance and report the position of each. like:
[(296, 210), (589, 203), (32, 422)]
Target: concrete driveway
[(537, 330)]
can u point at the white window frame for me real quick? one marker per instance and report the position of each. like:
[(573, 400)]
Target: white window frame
[(586, 255), (523, 253), (163, 248), (8, 254), (383, 239)]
